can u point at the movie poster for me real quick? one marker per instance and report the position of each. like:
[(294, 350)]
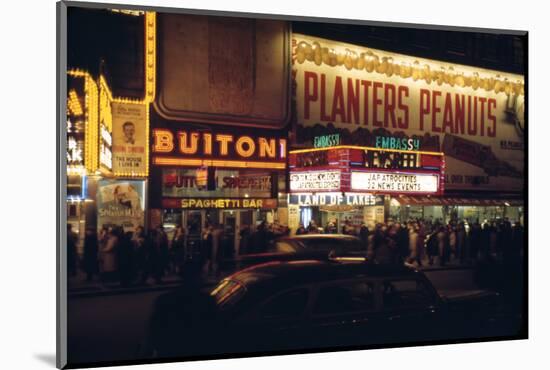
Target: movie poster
[(129, 139), (120, 203)]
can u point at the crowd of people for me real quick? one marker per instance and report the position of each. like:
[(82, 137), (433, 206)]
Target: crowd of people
[(125, 257), (135, 257), (420, 242)]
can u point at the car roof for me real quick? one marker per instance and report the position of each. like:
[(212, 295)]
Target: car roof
[(277, 275), (320, 236)]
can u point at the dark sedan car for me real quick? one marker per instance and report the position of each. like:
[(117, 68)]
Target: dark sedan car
[(313, 304), (309, 246)]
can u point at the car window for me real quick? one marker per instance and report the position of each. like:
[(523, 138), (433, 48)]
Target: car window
[(406, 293), (322, 244), (284, 247), (345, 297), (286, 305)]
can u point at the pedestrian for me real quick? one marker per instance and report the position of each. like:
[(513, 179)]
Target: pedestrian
[(475, 242), (493, 233), (218, 254), (156, 256), (401, 237), (442, 245), (385, 252), (348, 228), (162, 240), (432, 246), (148, 257), (301, 230), (485, 242), (140, 252), (125, 257), (72, 240), (364, 235), (206, 249), (312, 228), (108, 257), (90, 260), (259, 239), (178, 250), (414, 249), (452, 242), (461, 242), (508, 253), (244, 239), (331, 227)]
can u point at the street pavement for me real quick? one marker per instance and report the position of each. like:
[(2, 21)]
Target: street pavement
[(112, 327), (79, 287)]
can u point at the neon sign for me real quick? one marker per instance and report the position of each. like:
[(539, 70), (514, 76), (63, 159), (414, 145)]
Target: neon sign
[(326, 141), (389, 142), (219, 203), (188, 148), (335, 199), (395, 182), (314, 180)]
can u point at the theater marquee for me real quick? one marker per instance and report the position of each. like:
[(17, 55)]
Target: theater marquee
[(391, 182), (314, 181)]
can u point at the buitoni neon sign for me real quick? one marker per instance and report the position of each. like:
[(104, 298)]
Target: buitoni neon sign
[(188, 148)]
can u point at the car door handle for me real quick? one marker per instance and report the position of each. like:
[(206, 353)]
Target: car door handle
[(394, 317)]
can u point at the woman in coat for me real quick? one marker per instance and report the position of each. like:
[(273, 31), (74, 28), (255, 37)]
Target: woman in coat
[(108, 257), (414, 245)]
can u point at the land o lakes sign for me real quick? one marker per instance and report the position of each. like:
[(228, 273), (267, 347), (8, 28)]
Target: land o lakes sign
[(336, 199)]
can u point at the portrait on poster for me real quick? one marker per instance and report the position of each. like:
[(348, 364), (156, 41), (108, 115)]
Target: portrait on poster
[(129, 154)]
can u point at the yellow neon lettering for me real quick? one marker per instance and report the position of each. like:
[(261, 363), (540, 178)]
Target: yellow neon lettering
[(188, 146), (224, 141), (282, 143), (207, 143), (239, 146), (267, 148), (163, 141)]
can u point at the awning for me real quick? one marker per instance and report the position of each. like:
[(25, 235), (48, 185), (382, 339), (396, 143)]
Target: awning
[(456, 201)]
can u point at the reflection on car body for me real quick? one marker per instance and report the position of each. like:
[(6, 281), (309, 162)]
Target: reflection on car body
[(281, 305), (309, 246)]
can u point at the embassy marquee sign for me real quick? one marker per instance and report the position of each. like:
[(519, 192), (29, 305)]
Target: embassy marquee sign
[(352, 99)]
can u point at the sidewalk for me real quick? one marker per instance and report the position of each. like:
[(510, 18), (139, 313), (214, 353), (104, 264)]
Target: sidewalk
[(78, 287)]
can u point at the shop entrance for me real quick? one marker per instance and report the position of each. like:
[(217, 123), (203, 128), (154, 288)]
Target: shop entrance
[(233, 224)]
